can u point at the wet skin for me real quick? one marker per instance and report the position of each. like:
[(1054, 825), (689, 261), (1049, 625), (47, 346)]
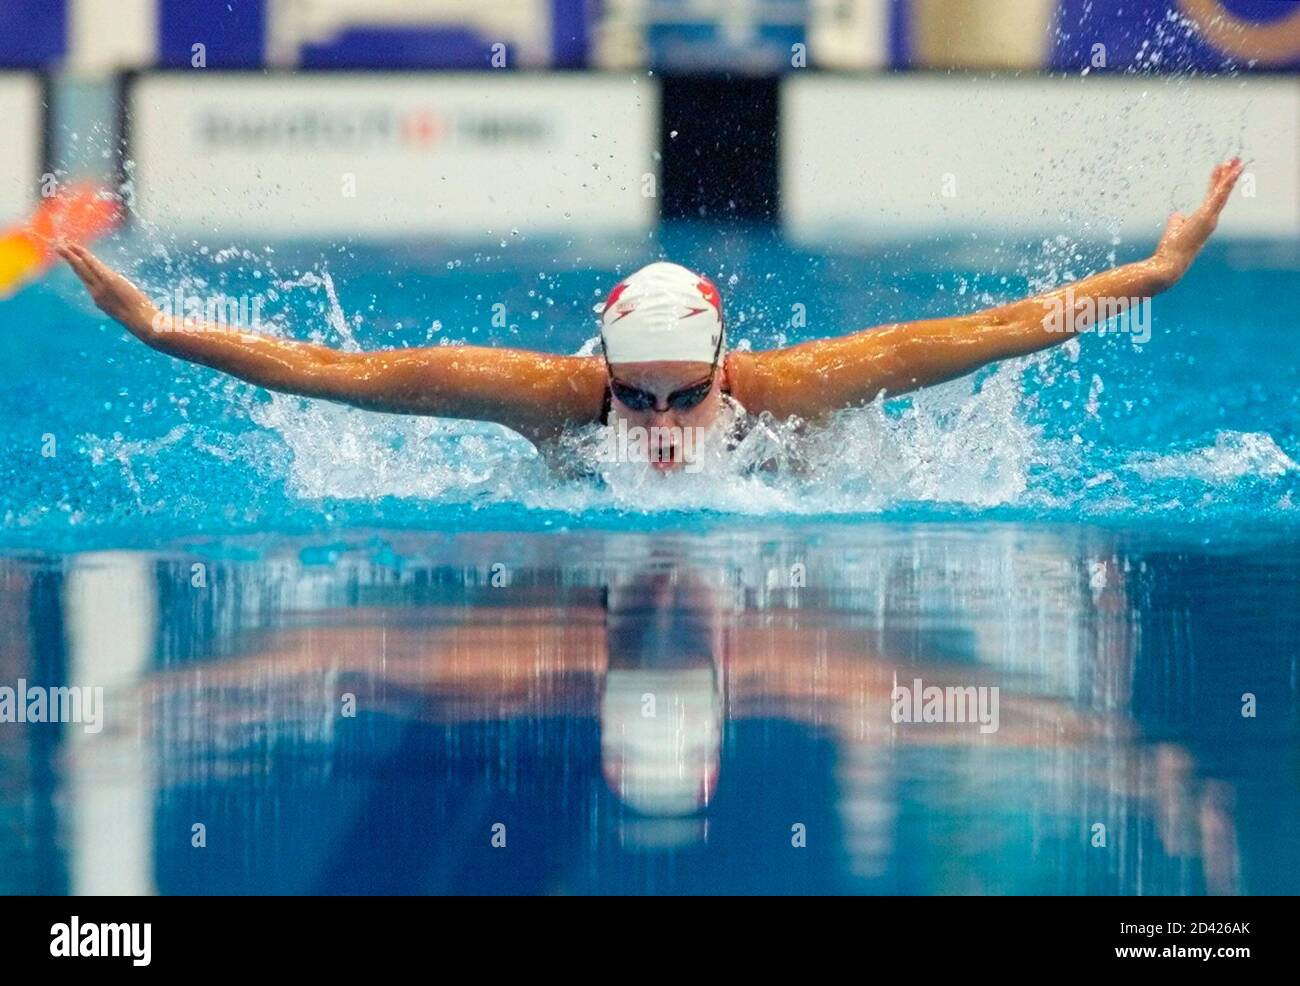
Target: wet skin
[(541, 395), (664, 423)]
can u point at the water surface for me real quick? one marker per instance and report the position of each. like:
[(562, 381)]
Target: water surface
[(660, 712)]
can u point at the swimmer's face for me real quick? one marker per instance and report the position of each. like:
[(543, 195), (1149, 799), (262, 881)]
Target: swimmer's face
[(671, 384)]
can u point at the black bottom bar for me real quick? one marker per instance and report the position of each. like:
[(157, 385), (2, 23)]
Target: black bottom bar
[(337, 934)]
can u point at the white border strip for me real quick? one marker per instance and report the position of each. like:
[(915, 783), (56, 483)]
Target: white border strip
[(1092, 158)]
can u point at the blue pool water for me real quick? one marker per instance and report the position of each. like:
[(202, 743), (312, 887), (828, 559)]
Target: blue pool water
[(357, 649), (1201, 421)]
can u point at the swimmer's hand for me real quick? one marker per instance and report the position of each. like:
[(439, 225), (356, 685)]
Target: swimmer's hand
[(112, 293), (1185, 235)]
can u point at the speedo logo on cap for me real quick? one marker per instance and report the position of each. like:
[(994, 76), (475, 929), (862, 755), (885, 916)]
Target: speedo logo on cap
[(710, 294), (620, 309), (663, 312)]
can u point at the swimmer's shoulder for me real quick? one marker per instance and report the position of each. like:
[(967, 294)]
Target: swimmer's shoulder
[(743, 377), (784, 382), (563, 392), (537, 394), (584, 385)]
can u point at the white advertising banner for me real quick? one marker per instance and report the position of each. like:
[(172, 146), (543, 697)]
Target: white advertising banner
[(1087, 157), (376, 156), (21, 137)]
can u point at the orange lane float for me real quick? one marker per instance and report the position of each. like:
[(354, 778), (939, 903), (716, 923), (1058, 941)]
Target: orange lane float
[(79, 213)]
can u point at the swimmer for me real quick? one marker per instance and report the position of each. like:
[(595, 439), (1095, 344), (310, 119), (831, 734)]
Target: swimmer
[(664, 367)]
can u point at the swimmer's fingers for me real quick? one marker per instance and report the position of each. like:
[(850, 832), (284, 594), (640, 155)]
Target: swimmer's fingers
[(81, 266), (1184, 236), (1222, 180), (114, 294), (1201, 223), (94, 273)]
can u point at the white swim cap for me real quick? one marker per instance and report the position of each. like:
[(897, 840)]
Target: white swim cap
[(662, 312)]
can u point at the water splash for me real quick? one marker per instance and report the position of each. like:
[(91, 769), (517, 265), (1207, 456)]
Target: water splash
[(1234, 455), (1078, 430)]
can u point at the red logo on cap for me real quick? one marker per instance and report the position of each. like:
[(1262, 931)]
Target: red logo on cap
[(619, 288), (710, 294), (614, 295)]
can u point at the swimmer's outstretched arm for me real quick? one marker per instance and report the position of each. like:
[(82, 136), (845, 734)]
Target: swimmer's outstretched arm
[(818, 377), (536, 394)]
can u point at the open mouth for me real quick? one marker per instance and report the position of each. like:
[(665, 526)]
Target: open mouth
[(666, 458)]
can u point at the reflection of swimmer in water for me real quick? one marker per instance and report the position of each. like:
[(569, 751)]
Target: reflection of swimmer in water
[(662, 709), (664, 368)]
